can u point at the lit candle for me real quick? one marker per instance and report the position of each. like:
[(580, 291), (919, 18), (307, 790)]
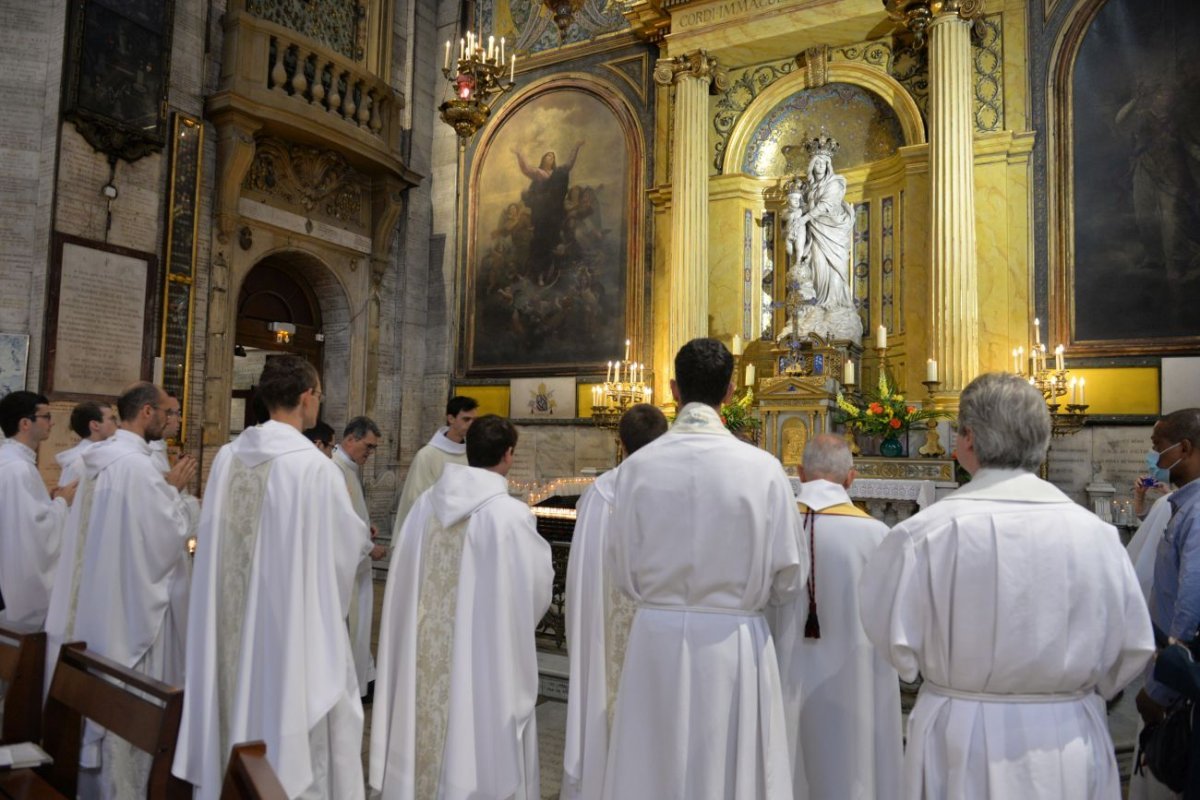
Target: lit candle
[(848, 373), (749, 374), (1081, 385), (1037, 331), (1016, 363), (462, 48), (501, 59), (736, 346), (881, 337), (649, 392), (446, 65), (1021, 360), (931, 371), (1073, 385), (491, 47), (512, 74), (627, 343), (1058, 358)]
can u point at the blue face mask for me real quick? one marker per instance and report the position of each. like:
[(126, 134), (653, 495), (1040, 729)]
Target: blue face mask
[(1161, 474)]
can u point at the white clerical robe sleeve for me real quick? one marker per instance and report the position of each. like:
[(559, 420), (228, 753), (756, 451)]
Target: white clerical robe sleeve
[(423, 473), (789, 547), (890, 595), (30, 538), (1137, 637), (505, 586)]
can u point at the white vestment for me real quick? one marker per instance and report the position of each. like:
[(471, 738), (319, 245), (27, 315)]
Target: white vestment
[(137, 529), (1143, 546), (1023, 613), (362, 598), (599, 617), (457, 683), (69, 462), (30, 535), (268, 651), (841, 699), (424, 472), (704, 534)]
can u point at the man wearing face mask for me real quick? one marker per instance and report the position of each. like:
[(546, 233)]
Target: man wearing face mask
[(1175, 597)]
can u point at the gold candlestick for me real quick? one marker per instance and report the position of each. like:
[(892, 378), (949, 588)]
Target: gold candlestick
[(933, 441)]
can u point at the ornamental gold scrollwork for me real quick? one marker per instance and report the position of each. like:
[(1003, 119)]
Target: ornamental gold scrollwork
[(692, 65), (918, 15)]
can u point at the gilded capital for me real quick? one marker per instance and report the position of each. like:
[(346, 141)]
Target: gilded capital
[(699, 65), (918, 15)]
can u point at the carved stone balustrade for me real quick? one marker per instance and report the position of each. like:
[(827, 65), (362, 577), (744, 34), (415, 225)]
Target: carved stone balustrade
[(304, 92)]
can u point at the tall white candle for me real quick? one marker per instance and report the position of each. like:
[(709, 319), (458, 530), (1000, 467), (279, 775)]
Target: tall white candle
[(501, 59), (1058, 358), (512, 74), (749, 374), (649, 392), (1021, 360), (491, 51), (1037, 331), (848, 373), (627, 343), (931, 374), (736, 346), (1073, 386), (881, 337), (608, 373), (1082, 382), (446, 65)]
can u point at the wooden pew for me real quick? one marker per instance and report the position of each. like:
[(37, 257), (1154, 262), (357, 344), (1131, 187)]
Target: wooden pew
[(143, 711), (22, 666), (249, 775)]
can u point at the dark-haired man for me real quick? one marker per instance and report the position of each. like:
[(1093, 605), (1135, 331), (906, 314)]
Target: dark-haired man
[(598, 620), (268, 651), (321, 435), (130, 541), (158, 447), (457, 684), (446, 447), (31, 520), (705, 532), (92, 422)]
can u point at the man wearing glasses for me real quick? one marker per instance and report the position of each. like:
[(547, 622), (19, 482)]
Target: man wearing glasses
[(31, 519)]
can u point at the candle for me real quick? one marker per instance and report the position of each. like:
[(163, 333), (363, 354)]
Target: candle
[(649, 392), (749, 374), (931, 371), (512, 74), (501, 59), (881, 337), (1058, 358), (1081, 385), (1037, 331), (462, 48), (848, 373), (491, 51), (1073, 386), (627, 343), (446, 65), (608, 372), (1021, 360), (736, 346)]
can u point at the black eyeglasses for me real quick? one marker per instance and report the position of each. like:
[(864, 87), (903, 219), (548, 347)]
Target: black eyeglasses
[(36, 417)]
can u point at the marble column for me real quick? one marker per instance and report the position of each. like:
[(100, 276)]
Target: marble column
[(954, 300), (692, 74)]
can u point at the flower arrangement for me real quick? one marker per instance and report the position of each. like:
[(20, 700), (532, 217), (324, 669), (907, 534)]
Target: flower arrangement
[(738, 419), (885, 413)]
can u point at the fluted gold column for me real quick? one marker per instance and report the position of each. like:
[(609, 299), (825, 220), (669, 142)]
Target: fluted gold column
[(693, 74), (954, 300)]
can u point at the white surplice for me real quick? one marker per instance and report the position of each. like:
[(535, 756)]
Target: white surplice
[(598, 619), (1023, 613), (1143, 547), (426, 468), (704, 533), (457, 679), (30, 536), (268, 651), (362, 598), (69, 462), (137, 527), (841, 699)]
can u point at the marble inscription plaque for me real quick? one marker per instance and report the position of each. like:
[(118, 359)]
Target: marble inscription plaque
[(101, 316)]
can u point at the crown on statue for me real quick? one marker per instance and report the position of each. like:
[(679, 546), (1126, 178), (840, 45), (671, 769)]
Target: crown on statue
[(821, 146), (793, 185)]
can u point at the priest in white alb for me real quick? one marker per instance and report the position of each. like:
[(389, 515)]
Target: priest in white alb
[(31, 521), (704, 534), (457, 680), (1021, 611), (360, 439), (598, 618), (268, 651), (92, 422), (840, 697), (136, 532), (447, 446)]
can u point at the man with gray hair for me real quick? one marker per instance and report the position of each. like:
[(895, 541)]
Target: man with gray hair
[(841, 699), (1018, 607), (360, 439)]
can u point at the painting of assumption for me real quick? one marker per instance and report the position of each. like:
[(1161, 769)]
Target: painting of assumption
[(550, 228), (1136, 112)]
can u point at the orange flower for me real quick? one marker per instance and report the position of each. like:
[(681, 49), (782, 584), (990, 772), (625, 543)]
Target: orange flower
[(875, 408), (895, 423), (911, 409)]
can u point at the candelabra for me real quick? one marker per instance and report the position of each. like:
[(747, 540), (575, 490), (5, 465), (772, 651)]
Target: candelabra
[(624, 386), (478, 79), (1067, 417), (933, 441)]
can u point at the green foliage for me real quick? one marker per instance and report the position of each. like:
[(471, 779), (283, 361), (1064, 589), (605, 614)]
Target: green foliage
[(883, 412)]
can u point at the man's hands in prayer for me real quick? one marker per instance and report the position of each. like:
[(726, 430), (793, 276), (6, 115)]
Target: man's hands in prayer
[(182, 473), (65, 492), (1150, 711), (379, 552)]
